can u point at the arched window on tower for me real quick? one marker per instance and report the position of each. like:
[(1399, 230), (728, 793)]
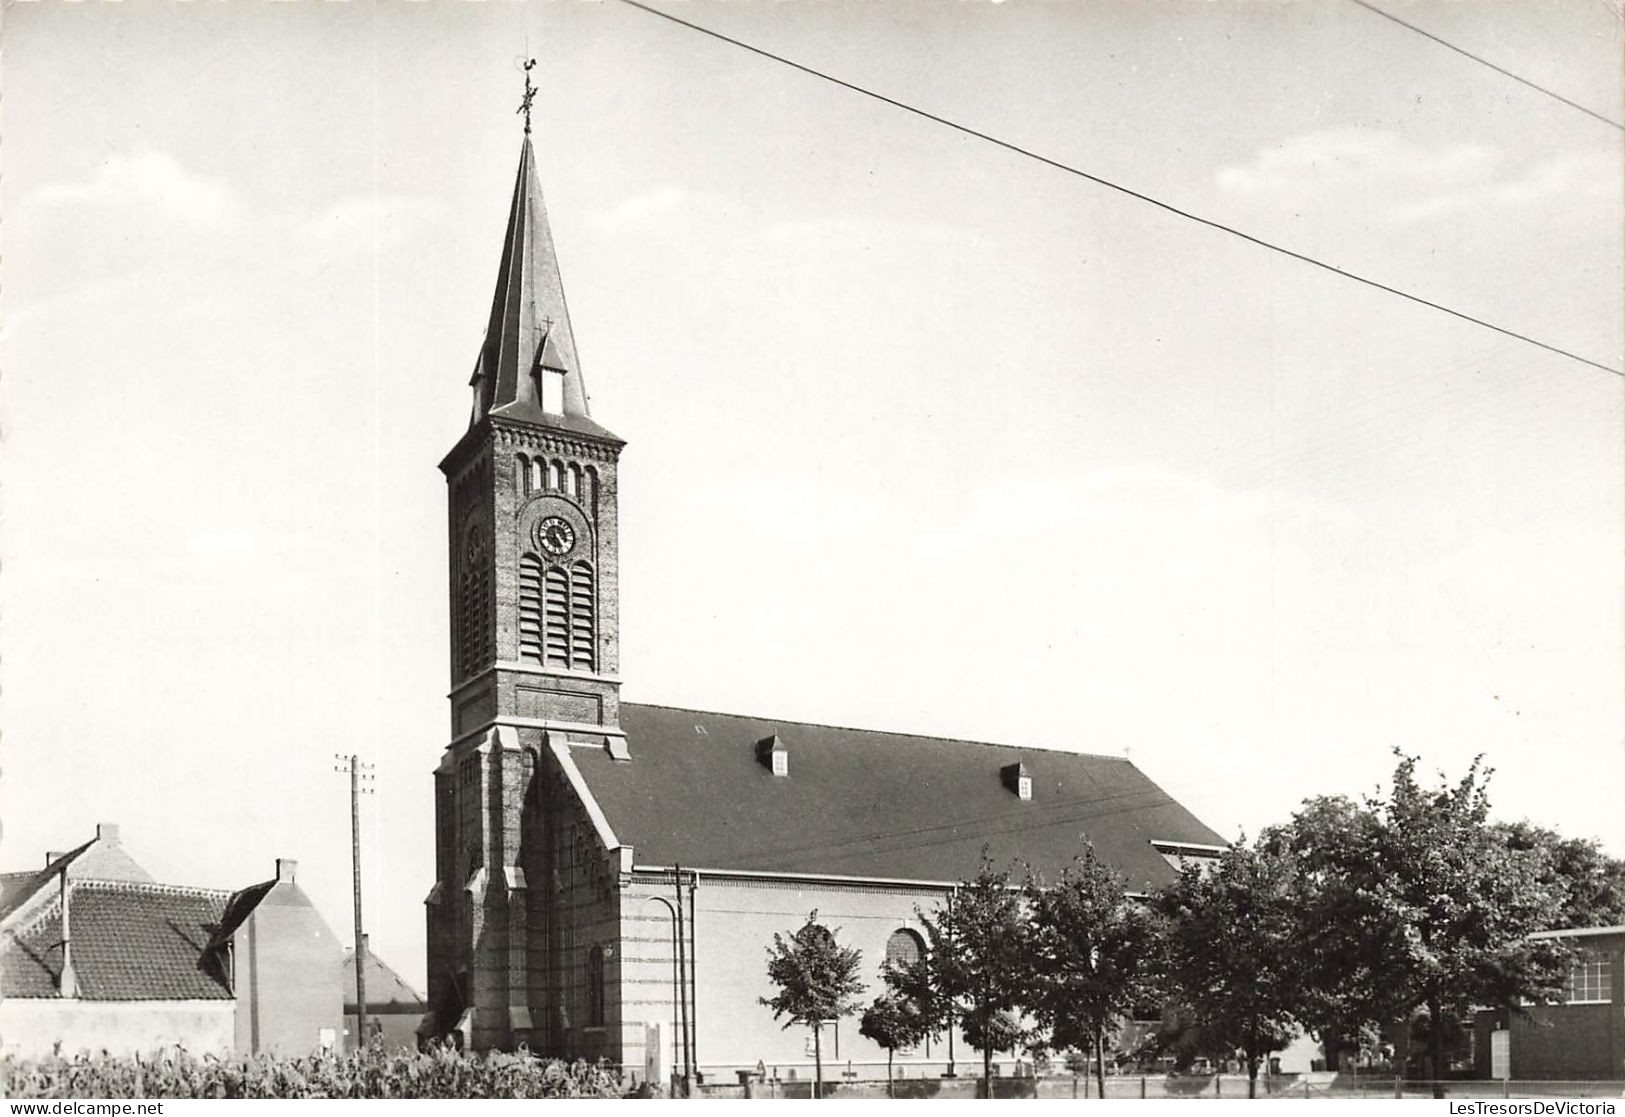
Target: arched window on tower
[(474, 606), (582, 642), (522, 474), (537, 478), (572, 480), (555, 475), (589, 490), (556, 617), (530, 609)]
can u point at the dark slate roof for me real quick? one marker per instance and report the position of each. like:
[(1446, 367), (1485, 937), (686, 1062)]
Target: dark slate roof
[(131, 942), (386, 989), (238, 908), (871, 804), (17, 888)]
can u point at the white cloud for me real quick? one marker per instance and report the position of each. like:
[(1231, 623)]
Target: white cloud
[(1396, 179), (151, 180), (1582, 176), (1341, 159)]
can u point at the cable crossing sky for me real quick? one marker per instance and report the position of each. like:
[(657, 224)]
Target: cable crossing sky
[(1186, 214)]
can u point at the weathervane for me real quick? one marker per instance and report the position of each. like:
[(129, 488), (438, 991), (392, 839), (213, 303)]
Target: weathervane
[(530, 94)]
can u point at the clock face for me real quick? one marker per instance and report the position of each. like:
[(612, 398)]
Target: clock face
[(556, 536)]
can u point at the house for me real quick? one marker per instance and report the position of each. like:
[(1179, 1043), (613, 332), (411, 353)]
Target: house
[(608, 875), (394, 1008), (1582, 1038), (95, 955)]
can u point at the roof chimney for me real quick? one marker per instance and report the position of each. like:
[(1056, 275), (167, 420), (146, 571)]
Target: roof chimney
[(1017, 779), (107, 832), (286, 869), (772, 755)]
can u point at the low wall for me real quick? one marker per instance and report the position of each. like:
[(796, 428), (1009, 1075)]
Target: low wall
[(37, 1027)]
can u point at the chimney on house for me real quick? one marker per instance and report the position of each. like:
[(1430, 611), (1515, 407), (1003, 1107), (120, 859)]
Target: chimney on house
[(772, 755), (1017, 779), (107, 832), (286, 869)]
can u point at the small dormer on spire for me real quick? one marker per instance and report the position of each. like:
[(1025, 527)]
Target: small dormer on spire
[(527, 368)]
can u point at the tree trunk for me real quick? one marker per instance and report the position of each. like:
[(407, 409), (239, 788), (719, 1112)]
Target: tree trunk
[(987, 1069), (1435, 1047), (1252, 1076), (1100, 1063), (818, 1062), (889, 1054)]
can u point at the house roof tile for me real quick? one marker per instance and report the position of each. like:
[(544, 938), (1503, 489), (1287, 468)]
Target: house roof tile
[(130, 941)]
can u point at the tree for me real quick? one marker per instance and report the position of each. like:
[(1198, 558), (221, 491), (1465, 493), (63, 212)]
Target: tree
[(1416, 903), (1589, 884), (976, 947), (893, 1022), (1088, 954), (817, 981), (1230, 949)]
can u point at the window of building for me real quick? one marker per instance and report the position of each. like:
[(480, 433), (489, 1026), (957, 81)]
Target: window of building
[(552, 391), (530, 609), (1590, 979), (555, 475), (582, 644), (572, 480), (595, 987), (537, 478), (475, 621), (904, 948), (522, 474)]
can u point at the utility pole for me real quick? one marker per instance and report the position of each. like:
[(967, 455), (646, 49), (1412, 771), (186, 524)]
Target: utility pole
[(360, 775)]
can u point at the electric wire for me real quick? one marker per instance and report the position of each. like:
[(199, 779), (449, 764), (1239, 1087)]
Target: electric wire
[(1486, 62), (1130, 192)]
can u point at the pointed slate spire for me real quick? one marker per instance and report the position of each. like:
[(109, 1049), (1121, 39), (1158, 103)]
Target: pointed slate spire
[(528, 337)]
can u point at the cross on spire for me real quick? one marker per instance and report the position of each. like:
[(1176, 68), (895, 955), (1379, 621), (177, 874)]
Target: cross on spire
[(530, 93)]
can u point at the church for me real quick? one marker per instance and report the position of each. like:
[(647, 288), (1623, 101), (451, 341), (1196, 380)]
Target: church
[(608, 875)]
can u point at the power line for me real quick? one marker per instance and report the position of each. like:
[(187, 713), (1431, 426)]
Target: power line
[(1486, 62), (1099, 181)]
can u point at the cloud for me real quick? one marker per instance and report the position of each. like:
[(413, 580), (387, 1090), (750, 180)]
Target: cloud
[(1341, 159), (1583, 176), (150, 180), (1398, 180)]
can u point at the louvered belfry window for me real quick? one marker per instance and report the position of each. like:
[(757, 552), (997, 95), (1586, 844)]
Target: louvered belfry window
[(556, 617), (530, 609), (474, 607), (557, 614), (581, 617)]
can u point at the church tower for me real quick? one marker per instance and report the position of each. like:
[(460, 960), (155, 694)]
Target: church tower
[(531, 524)]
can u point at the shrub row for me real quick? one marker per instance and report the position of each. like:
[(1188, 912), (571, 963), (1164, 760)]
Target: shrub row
[(372, 1074)]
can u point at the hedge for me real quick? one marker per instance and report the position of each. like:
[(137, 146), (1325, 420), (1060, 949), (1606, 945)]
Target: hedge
[(177, 1073)]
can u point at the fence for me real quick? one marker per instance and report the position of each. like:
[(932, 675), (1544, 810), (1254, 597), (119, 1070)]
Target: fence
[(843, 1081)]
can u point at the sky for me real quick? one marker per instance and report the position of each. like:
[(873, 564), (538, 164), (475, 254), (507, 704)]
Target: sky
[(922, 435)]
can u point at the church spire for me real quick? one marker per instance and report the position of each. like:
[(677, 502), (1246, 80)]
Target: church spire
[(527, 367)]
